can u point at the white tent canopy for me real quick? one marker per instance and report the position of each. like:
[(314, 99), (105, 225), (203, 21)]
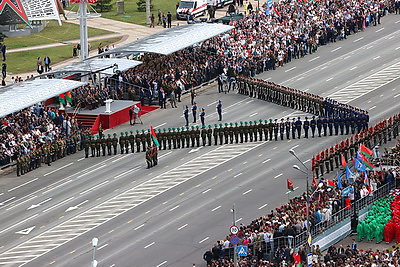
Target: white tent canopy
[(25, 94), (172, 40)]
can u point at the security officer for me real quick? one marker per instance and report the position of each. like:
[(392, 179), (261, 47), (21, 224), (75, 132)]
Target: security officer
[(281, 128), (306, 127), (313, 124), (186, 115), (115, 143), (109, 144), (131, 139), (336, 122), (122, 143), (330, 125), (325, 125), (194, 112), (298, 124)]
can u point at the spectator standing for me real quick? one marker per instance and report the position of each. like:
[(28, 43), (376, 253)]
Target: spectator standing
[(47, 62), (192, 96), (39, 65), (152, 19), (219, 110), (208, 256), (169, 19), (159, 14), (3, 51), (172, 98), (4, 70)]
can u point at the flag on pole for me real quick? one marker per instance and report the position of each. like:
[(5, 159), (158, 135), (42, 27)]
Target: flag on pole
[(269, 3), (364, 161), (68, 97), (290, 185), (61, 98), (349, 174), (276, 11), (154, 136), (359, 165), (330, 183), (366, 182), (344, 163), (365, 150), (339, 181)]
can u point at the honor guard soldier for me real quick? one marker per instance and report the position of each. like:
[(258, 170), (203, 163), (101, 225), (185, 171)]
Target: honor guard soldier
[(93, 146), (336, 124), (265, 129), (260, 129), (209, 135), (192, 136), (270, 129), (122, 143), (319, 126), (174, 137), (138, 140), (220, 134), (187, 137), (282, 128), (204, 136), (98, 146), (231, 131), (186, 115), (287, 128), (197, 136), (86, 145), (143, 137), (115, 143), (103, 145), (306, 127), (126, 137), (109, 144), (298, 124), (182, 136), (236, 132), (313, 124), (241, 132), (330, 125), (325, 125), (215, 134), (169, 137), (131, 139), (246, 131), (347, 122), (149, 159), (227, 133)]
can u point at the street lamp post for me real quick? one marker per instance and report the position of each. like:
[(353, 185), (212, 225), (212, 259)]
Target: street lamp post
[(235, 259), (95, 241)]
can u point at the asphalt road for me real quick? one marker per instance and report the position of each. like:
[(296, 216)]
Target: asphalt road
[(169, 215)]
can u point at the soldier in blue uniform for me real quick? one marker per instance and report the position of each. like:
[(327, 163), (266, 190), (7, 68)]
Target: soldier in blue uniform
[(298, 124), (336, 122), (287, 128), (306, 127), (342, 121), (194, 112), (186, 115), (276, 129), (293, 125), (219, 110), (282, 128), (330, 125), (202, 115), (313, 124), (325, 125), (347, 122), (319, 126)]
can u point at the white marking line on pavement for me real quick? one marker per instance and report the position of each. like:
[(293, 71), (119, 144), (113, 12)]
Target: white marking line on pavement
[(164, 155), (1, 194), (18, 223), (294, 146), (331, 78), (397, 21), (174, 208), (162, 124), (96, 169), (161, 264), (5, 201), (263, 206), (237, 175), (313, 59), (103, 246), (279, 175), (253, 114), (265, 161), (127, 172), (290, 69), (26, 200), (55, 206), (149, 245), (380, 30), (201, 241), (304, 162), (31, 181), (183, 226), (80, 159), (336, 49), (371, 108), (65, 166), (214, 209), (122, 157), (376, 57), (353, 68), (396, 95), (397, 48), (238, 220), (52, 188), (39, 204), (140, 226), (359, 39), (94, 187), (208, 190), (248, 191)]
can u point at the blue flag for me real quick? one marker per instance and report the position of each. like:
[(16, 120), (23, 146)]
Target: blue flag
[(339, 181), (359, 166), (349, 174), (269, 3), (267, 11)]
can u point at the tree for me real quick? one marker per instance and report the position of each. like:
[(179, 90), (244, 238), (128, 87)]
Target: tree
[(103, 5), (142, 5)]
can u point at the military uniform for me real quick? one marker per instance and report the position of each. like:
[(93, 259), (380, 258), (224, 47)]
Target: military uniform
[(131, 139), (122, 143)]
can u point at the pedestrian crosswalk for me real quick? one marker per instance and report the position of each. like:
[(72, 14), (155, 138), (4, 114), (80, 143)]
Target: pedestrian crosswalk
[(367, 85), (111, 208)]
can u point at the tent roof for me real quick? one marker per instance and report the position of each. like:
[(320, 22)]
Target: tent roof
[(25, 94), (172, 40)]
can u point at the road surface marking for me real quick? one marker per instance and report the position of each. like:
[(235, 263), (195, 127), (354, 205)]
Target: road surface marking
[(359, 39), (371, 108), (248, 191), (331, 78), (290, 69), (295, 147), (103, 246), (140, 226), (265, 161), (376, 57), (18, 223), (162, 124), (397, 48), (5, 201), (26, 231), (214, 209), (252, 115), (183, 226), (94, 187), (279, 175), (55, 206), (31, 181), (237, 175), (206, 191), (65, 166), (304, 162), (380, 30), (201, 241), (353, 68), (396, 95), (263, 206), (39, 204), (161, 264), (397, 21), (313, 59), (174, 208), (88, 172), (80, 159), (336, 49), (76, 206), (51, 188), (149, 245), (238, 220)]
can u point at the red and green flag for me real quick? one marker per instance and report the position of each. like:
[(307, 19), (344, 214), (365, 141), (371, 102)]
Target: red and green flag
[(365, 150), (290, 185), (61, 98), (366, 163), (154, 136), (68, 97), (344, 163), (330, 184)]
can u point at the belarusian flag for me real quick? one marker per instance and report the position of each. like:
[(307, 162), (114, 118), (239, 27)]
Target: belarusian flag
[(330, 184), (68, 97), (366, 162), (154, 136), (276, 11), (61, 98), (290, 185), (365, 150)]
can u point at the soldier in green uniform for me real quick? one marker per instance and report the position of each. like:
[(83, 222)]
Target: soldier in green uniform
[(154, 155), (182, 137), (86, 145), (144, 139), (149, 159), (131, 139), (209, 134), (197, 136), (169, 137), (220, 134), (165, 138), (187, 137), (174, 138), (48, 155), (271, 127), (92, 145), (39, 157), (115, 143), (109, 144), (204, 136), (103, 145), (192, 136), (98, 146), (19, 165), (138, 140), (236, 132), (246, 131), (160, 137), (126, 137), (122, 143), (260, 129), (251, 131), (215, 134)]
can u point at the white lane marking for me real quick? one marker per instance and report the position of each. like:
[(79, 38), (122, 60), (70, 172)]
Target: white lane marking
[(52, 188), (174, 208), (16, 205), (18, 223), (290, 69), (359, 39), (214, 209), (371, 108), (331, 78), (397, 21), (396, 95), (238, 220), (39, 204), (183, 226), (103, 246), (294, 146), (26, 231), (94, 187), (265, 161), (59, 204), (1, 194), (376, 57), (353, 68), (397, 48), (31, 181), (248, 191), (127, 172), (65, 166), (304, 162), (140, 226), (336, 49), (201, 241), (313, 59), (149, 245), (253, 114), (161, 264), (5, 201), (162, 124), (279, 175), (96, 169), (118, 159), (206, 191), (380, 30), (237, 175), (80, 159), (76, 206), (263, 206), (164, 155)]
